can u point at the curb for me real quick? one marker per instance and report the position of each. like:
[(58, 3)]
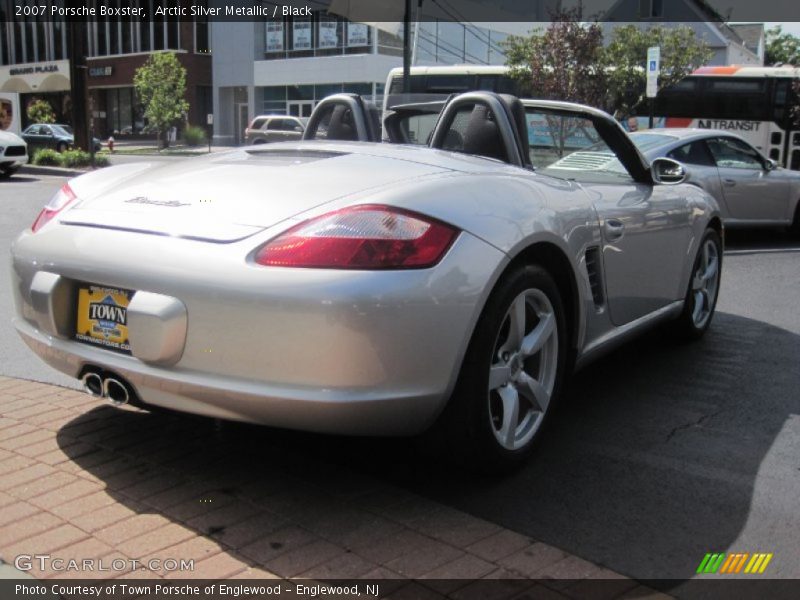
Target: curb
[(58, 171)]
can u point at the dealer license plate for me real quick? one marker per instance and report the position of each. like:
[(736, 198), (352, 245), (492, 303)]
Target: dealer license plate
[(103, 317)]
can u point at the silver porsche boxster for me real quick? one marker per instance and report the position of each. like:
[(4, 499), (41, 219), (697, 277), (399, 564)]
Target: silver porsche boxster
[(337, 285)]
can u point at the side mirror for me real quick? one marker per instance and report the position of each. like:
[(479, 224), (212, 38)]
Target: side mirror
[(667, 171), (770, 164)]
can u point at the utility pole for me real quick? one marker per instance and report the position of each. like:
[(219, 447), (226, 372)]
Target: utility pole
[(77, 76), (406, 48)]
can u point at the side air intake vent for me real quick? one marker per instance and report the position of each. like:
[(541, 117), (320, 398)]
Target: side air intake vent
[(594, 268)]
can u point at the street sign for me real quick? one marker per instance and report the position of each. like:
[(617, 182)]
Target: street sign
[(653, 67)]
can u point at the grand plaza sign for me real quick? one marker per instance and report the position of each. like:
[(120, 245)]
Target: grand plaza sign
[(35, 77)]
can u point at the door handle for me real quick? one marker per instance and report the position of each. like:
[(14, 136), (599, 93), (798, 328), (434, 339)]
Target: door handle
[(614, 229), (729, 182)]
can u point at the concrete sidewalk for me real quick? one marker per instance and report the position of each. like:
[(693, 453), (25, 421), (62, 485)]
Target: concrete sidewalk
[(83, 480)]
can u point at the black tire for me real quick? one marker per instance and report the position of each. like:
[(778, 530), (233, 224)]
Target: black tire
[(8, 172), (61, 147), (794, 228), (690, 325), (470, 424)]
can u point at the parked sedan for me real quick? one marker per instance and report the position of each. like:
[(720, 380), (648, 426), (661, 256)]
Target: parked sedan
[(751, 190), (371, 288), (52, 135), (13, 153)]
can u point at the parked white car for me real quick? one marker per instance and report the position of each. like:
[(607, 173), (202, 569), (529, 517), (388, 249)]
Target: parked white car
[(13, 153)]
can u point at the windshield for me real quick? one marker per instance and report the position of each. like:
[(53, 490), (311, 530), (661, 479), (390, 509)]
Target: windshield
[(648, 141), (570, 147), (62, 130)]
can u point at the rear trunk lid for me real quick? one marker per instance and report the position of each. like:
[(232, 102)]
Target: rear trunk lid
[(227, 197)]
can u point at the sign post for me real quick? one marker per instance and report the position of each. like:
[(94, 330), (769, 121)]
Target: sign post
[(210, 124), (653, 68)]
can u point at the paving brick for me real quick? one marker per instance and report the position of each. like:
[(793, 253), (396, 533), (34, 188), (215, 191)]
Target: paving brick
[(222, 518), (47, 541), (85, 504), (275, 543), (75, 490), (255, 573), (465, 566), (27, 527), (19, 465), (455, 527), (426, 556), (250, 530), (46, 445), (63, 454), (294, 562), (153, 541), (390, 546), (499, 545), (29, 489), (53, 413), (5, 499), (531, 561), (6, 423), (157, 482), (129, 528), (104, 517), (20, 441), (14, 432), (571, 567), (85, 549), (197, 548), (345, 566), (16, 511), (22, 414), (219, 566)]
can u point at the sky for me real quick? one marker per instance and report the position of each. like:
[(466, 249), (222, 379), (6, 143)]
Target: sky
[(792, 27)]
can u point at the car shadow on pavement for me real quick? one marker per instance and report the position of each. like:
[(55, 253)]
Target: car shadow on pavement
[(660, 453)]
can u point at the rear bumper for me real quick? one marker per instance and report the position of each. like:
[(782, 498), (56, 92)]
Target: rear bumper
[(362, 353)]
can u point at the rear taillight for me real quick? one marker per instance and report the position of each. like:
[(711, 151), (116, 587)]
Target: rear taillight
[(57, 203), (361, 237)]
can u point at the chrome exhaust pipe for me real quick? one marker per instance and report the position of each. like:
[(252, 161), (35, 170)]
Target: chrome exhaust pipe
[(93, 384), (116, 391)]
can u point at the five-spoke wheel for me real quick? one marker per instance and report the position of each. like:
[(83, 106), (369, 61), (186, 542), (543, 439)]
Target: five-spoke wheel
[(512, 373)]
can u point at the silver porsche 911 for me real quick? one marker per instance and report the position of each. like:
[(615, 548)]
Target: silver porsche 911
[(372, 288)]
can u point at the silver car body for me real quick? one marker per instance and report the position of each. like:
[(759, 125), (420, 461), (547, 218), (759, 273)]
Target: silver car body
[(355, 352), (748, 194)]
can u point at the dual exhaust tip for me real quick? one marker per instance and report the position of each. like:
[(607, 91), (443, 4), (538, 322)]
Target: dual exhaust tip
[(110, 387)]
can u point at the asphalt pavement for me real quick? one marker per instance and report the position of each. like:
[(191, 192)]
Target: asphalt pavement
[(661, 452)]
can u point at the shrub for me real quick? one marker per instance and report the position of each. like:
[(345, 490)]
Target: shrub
[(194, 135), (75, 158), (40, 111), (47, 158)]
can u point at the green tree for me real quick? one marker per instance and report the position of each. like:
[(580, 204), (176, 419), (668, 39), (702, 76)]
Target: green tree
[(40, 111), (161, 85), (562, 62), (781, 47), (625, 57)]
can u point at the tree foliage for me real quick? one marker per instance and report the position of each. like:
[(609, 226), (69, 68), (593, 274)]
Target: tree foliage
[(161, 85), (563, 62), (626, 56), (781, 47), (40, 111), (569, 62)]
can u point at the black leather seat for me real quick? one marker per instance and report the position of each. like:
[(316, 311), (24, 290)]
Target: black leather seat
[(482, 136)]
